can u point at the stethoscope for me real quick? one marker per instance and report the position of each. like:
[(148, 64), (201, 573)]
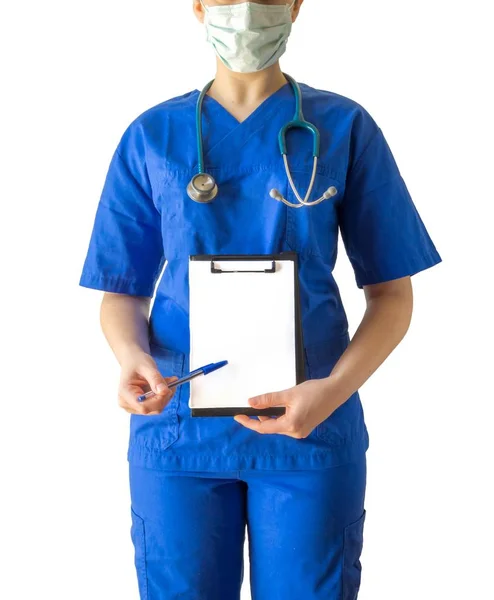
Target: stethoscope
[(203, 187)]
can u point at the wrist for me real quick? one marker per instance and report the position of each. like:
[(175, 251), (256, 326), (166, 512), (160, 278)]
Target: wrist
[(335, 388), (132, 354)]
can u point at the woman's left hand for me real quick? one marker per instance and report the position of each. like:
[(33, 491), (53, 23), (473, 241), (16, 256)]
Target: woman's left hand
[(307, 405)]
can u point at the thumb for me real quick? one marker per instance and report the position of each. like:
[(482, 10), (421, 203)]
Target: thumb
[(155, 380), (266, 400)]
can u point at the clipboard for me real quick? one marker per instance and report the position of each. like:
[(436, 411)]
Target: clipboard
[(244, 309)]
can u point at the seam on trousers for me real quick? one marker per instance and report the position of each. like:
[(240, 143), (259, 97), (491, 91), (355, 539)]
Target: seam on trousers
[(145, 561)]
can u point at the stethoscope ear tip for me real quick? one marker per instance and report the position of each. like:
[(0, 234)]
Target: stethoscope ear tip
[(330, 192), (203, 188)]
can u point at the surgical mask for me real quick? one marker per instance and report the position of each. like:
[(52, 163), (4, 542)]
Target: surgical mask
[(248, 37)]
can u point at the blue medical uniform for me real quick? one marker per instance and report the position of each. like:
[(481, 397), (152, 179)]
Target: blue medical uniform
[(145, 218)]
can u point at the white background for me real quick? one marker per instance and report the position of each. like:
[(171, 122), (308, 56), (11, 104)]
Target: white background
[(73, 76)]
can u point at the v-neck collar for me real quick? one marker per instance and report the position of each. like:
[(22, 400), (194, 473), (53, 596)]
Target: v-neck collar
[(222, 130), (275, 97)]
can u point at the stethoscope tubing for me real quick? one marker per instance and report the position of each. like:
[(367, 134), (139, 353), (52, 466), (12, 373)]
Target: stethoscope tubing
[(298, 122), (200, 144)]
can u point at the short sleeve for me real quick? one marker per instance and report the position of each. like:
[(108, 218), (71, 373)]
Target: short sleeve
[(383, 233), (125, 253)]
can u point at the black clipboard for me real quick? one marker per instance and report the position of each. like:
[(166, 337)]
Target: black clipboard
[(299, 342)]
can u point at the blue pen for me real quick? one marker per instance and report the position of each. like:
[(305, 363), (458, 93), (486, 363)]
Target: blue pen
[(201, 371)]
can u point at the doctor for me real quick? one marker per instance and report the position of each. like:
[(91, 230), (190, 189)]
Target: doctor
[(206, 174)]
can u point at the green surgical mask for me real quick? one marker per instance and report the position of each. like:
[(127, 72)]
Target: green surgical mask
[(248, 37)]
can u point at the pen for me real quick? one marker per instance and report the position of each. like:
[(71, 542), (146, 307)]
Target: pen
[(201, 371)]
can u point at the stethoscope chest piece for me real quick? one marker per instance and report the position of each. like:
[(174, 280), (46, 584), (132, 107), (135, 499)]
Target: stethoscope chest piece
[(202, 188)]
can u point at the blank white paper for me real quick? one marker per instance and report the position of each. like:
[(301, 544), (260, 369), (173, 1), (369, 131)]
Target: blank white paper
[(247, 319)]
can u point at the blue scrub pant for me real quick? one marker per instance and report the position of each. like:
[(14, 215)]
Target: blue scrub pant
[(305, 533)]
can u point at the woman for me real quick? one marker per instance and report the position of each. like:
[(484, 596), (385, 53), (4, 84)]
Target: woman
[(297, 481)]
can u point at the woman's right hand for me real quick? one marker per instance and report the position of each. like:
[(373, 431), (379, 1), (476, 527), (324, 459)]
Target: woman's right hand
[(140, 375)]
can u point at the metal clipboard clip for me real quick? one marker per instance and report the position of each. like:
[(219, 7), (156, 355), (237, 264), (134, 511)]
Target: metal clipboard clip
[(216, 271)]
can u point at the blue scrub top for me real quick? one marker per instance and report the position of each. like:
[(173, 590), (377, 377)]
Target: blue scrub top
[(145, 218)]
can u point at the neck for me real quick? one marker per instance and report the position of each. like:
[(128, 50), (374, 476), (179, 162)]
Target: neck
[(246, 89)]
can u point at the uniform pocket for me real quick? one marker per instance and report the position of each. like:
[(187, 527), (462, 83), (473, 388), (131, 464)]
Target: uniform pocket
[(137, 533), (352, 568), (313, 230), (159, 432)]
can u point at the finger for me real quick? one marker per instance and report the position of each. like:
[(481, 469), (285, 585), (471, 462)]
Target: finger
[(127, 398), (155, 379), (134, 407), (131, 411), (267, 400), (263, 418), (157, 403), (267, 426), (167, 394)]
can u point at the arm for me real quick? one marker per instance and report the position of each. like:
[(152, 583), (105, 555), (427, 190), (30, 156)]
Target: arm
[(385, 323), (386, 241), (124, 321)]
